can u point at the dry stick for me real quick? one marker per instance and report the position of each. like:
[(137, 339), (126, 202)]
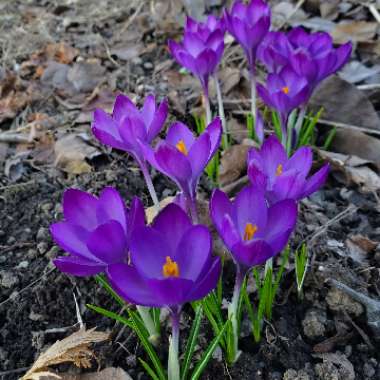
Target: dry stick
[(349, 126), (291, 14), (132, 18)]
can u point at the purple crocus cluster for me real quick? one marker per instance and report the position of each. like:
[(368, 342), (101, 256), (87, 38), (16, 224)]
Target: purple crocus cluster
[(170, 262), (296, 61)]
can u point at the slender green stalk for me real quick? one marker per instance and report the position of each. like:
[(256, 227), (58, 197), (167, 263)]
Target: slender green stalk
[(221, 111), (149, 324), (149, 184), (233, 309), (300, 119), (173, 361)]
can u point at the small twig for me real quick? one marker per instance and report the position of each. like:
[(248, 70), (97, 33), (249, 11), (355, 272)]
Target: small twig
[(235, 186), (374, 11), (79, 317), (14, 138), (132, 18), (349, 126), (12, 371), (372, 86)]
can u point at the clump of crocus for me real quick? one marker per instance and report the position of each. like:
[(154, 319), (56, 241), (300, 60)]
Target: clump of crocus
[(183, 157), (201, 51), (252, 232), (284, 92), (249, 24), (96, 231), (280, 177), (128, 126), (172, 265)]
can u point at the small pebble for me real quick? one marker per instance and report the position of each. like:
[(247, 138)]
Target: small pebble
[(148, 65), (42, 247)]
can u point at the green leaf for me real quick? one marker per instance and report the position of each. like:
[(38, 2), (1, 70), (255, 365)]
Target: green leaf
[(149, 370), (329, 139), (100, 279), (277, 125), (143, 335), (208, 353), (111, 314), (191, 342)]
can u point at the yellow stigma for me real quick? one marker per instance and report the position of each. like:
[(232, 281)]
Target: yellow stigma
[(279, 170), (285, 90), (182, 147), (249, 231), (170, 268)]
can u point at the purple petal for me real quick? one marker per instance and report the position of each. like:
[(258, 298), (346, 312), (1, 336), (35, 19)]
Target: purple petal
[(253, 253), (286, 186), (179, 131), (214, 130), (300, 161), (220, 205), (257, 177), (78, 266), (207, 283), (136, 217), (193, 252), (111, 207), (108, 243), (130, 285), (72, 239), (282, 218), (149, 249), (173, 223), (273, 154), (158, 120), (103, 124), (199, 155), (148, 110), (171, 291), (79, 208), (123, 107), (316, 181), (265, 96), (228, 232), (250, 207)]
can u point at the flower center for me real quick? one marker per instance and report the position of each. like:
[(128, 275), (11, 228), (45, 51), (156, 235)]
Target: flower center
[(285, 90), (249, 231), (170, 268), (279, 170), (181, 146)]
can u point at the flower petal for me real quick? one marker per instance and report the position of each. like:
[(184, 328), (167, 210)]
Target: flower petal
[(253, 253), (123, 107), (78, 266), (177, 132), (108, 243), (300, 161), (130, 285), (158, 120), (199, 155), (79, 208), (220, 206), (111, 207), (316, 181)]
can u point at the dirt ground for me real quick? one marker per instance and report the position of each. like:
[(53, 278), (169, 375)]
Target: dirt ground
[(99, 48)]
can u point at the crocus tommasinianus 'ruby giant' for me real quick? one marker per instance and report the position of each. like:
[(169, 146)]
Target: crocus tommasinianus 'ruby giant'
[(183, 157), (201, 49), (248, 24), (281, 177), (172, 262), (284, 92), (311, 55), (252, 231), (127, 124), (96, 231)]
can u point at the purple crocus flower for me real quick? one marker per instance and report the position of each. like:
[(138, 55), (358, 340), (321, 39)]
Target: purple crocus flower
[(284, 92), (281, 177), (128, 124), (252, 231), (201, 49), (96, 231), (172, 263), (183, 157), (314, 56), (274, 51), (248, 24)]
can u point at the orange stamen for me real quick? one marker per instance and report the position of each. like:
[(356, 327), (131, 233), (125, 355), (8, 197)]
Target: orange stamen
[(170, 268), (249, 231), (181, 146), (279, 170), (285, 90)]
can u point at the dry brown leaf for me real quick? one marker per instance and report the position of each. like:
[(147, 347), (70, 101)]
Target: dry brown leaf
[(106, 374), (356, 31), (73, 349), (353, 108), (71, 152), (233, 164), (151, 212)]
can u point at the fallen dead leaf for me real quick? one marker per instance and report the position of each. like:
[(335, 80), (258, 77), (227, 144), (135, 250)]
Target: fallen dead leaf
[(73, 349), (106, 374), (356, 31), (356, 71), (353, 108), (71, 152), (151, 212), (233, 164), (364, 243)]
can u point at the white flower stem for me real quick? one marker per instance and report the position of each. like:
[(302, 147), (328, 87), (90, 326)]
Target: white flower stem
[(221, 110), (149, 324), (233, 309), (149, 184), (253, 95), (300, 119), (173, 360), (208, 108)]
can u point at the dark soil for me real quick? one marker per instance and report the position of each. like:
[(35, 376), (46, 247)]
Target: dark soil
[(324, 335)]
